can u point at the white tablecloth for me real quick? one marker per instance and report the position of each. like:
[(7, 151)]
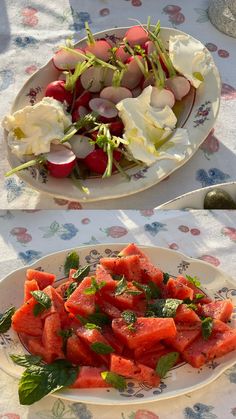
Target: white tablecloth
[(29, 33), (209, 236)]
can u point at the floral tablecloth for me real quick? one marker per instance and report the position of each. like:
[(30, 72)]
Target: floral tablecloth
[(30, 32), (209, 236)]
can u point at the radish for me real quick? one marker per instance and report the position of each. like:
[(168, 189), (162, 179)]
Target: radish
[(100, 48), (121, 54), (161, 97), (149, 47), (179, 85), (116, 127), (97, 160), (79, 112), (133, 74), (115, 94), (108, 76), (149, 81), (57, 90), (67, 60), (103, 107), (60, 161), (136, 36), (81, 146), (92, 79), (137, 91)]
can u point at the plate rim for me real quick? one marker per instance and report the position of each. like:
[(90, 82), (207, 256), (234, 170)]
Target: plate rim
[(151, 398), (150, 182)]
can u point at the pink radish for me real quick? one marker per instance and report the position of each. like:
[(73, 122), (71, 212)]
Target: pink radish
[(121, 54), (81, 146), (103, 107), (133, 74), (100, 48), (92, 79), (79, 112), (60, 161), (67, 60), (136, 36), (161, 98), (108, 76), (57, 90), (137, 91), (149, 81), (149, 47), (179, 85), (115, 94)]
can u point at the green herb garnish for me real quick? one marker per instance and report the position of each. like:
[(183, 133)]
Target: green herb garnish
[(81, 273), (129, 316), (207, 326), (5, 319), (114, 380), (26, 360), (43, 302), (164, 307), (166, 277), (94, 287), (194, 280), (165, 363), (72, 287), (71, 262), (101, 348)]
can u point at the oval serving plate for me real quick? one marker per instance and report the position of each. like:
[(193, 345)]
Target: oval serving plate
[(180, 380), (198, 115), (195, 199)]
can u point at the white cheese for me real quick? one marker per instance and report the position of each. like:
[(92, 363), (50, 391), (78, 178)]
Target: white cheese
[(32, 129), (190, 58)]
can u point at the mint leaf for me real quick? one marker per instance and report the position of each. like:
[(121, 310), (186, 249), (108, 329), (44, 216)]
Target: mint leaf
[(43, 302), (207, 326), (155, 290), (114, 380), (165, 363), (39, 380), (129, 316), (166, 277), (94, 287), (81, 273), (192, 306), (198, 296), (101, 348), (98, 318), (26, 360), (71, 262), (121, 286), (5, 319), (72, 287), (164, 307), (194, 280), (91, 326), (65, 334)]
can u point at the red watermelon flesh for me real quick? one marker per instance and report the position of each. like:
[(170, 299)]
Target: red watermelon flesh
[(149, 272), (90, 377), (195, 289), (79, 302), (133, 249), (219, 310), (43, 278), (52, 341), (30, 286), (175, 289), (186, 334), (24, 321), (57, 305), (186, 315), (78, 353), (129, 266)]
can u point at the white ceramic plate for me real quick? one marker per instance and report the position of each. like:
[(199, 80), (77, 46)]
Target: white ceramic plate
[(181, 379), (195, 199), (198, 116)]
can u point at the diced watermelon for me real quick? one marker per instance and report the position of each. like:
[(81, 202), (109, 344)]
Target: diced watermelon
[(131, 369), (146, 329), (150, 272), (71, 273), (133, 249), (24, 321), (108, 308), (221, 341), (52, 341), (43, 278), (89, 377), (61, 289), (129, 266), (204, 300), (151, 358), (30, 286), (57, 305), (220, 310), (90, 336), (175, 289), (112, 340), (149, 347), (35, 346), (186, 334), (78, 353), (79, 302), (102, 275), (186, 315), (123, 301)]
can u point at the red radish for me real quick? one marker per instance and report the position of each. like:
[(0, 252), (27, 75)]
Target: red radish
[(108, 76), (136, 36), (103, 107), (67, 60), (100, 48), (80, 105), (179, 85), (60, 161), (133, 75), (79, 112), (149, 81), (92, 79), (161, 97), (121, 54), (116, 127), (115, 94), (57, 90), (97, 160), (136, 91), (149, 47), (81, 146)]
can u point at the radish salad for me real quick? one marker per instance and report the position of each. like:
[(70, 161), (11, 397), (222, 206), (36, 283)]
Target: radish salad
[(113, 104)]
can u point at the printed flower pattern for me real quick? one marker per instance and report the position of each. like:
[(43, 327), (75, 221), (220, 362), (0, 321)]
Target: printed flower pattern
[(65, 231), (229, 232), (115, 231), (199, 411), (21, 235), (176, 17)]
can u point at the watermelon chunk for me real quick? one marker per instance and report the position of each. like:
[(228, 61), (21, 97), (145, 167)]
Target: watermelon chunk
[(221, 341), (102, 275), (78, 353), (112, 340), (57, 305), (150, 272), (24, 321), (186, 334), (195, 289), (220, 310), (146, 329), (35, 346), (108, 308), (30, 286), (123, 301), (129, 266), (175, 289), (186, 315), (133, 249), (80, 303), (51, 339), (90, 377), (43, 278), (90, 336), (131, 369)]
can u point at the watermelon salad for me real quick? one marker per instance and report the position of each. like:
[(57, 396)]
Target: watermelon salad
[(112, 105), (125, 320)]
